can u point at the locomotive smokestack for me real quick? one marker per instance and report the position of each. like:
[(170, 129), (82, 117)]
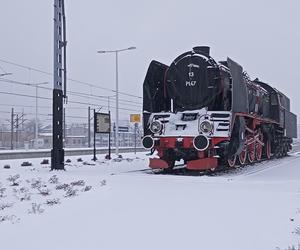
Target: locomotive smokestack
[(204, 50)]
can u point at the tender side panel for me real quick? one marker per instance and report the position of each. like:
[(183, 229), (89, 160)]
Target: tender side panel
[(155, 98), (240, 96), (154, 95), (290, 124)]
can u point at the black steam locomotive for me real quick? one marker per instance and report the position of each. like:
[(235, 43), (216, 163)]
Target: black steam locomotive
[(212, 114)]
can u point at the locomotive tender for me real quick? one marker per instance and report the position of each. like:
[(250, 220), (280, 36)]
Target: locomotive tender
[(210, 114)]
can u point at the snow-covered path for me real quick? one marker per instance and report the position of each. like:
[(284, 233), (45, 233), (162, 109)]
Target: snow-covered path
[(253, 208)]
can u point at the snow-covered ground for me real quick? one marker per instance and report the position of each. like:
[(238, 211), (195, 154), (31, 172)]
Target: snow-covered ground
[(112, 205)]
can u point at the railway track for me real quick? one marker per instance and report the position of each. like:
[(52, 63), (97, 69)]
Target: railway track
[(245, 170)]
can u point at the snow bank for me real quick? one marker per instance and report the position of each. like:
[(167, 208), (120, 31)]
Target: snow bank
[(252, 208)]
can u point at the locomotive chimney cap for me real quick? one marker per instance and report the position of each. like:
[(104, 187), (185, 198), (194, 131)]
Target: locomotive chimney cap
[(204, 50)]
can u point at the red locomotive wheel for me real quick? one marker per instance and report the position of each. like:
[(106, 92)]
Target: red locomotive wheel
[(259, 147), (251, 151), (243, 156), (258, 152), (231, 161)]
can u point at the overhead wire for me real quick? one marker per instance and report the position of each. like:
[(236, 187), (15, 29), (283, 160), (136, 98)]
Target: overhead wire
[(32, 106), (84, 95), (70, 79), (50, 99)]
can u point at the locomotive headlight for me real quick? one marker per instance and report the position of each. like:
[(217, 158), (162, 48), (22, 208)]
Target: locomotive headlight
[(206, 127), (156, 127)]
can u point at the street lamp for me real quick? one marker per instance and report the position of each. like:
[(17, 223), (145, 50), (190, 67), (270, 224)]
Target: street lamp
[(117, 91), (36, 131)]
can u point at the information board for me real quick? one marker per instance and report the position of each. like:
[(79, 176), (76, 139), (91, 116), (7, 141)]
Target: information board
[(102, 123)]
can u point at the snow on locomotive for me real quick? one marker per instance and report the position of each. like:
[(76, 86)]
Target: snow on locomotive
[(211, 114)]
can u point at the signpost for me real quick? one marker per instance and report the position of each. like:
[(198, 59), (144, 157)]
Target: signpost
[(136, 119), (102, 125), (122, 129)]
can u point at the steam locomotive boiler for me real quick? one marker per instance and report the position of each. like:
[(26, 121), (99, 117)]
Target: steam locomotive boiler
[(211, 114)]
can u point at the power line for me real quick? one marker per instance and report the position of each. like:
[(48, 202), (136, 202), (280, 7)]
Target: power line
[(95, 97), (83, 95), (4, 112), (50, 99), (67, 116), (31, 106), (42, 114), (24, 95), (73, 80)]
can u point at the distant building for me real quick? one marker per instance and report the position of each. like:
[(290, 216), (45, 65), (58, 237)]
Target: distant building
[(76, 135)]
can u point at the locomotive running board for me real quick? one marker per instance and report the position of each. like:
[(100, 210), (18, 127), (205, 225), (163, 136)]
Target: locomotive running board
[(156, 163), (202, 164)]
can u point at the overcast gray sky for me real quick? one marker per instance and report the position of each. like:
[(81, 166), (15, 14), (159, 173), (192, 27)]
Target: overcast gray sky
[(263, 36)]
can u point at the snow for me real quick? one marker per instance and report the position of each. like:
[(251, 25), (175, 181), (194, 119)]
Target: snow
[(129, 207)]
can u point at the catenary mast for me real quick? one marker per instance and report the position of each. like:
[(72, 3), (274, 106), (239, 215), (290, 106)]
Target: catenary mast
[(59, 88)]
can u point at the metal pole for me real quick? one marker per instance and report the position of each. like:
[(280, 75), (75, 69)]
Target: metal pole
[(57, 152), (2, 143), (23, 120), (117, 93), (64, 126), (17, 128), (109, 147), (36, 118), (115, 134), (89, 126), (12, 129), (135, 129), (94, 158), (117, 107), (108, 156)]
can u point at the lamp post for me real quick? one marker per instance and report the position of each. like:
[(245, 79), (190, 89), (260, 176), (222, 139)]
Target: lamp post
[(117, 91)]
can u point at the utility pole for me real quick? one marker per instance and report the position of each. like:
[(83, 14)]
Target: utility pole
[(64, 122), (115, 134), (19, 122), (94, 151), (12, 129), (2, 143), (89, 126), (36, 119), (108, 103), (23, 120), (36, 132), (135, 131), (17, 131), (59, 66), (109, 146)]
